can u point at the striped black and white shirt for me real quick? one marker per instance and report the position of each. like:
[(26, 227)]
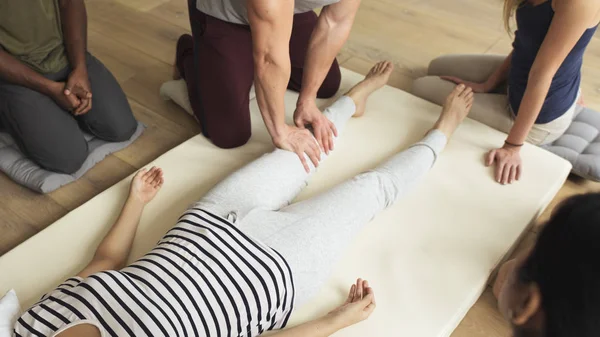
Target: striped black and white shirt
[(204, 278)]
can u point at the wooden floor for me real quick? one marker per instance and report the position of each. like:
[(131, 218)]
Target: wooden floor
[(136, 40)]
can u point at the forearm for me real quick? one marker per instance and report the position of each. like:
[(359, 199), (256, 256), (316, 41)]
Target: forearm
[(322, 327), (500, 75), (529, 110), (74, 27), (15, 72), (326, 41), (116, 245), (270, 84)]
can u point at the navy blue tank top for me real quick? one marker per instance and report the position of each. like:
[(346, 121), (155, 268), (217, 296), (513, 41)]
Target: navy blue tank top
[(533, 23)]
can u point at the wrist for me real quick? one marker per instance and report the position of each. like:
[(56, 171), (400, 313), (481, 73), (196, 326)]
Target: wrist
[(332, 323), (80, 68), (135, 201), (305, 100), (514, 147), (278, 133), (489, 85), (51, 88)]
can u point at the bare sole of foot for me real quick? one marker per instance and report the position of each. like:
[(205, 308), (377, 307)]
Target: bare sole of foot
[(457, 107), (377, 77)]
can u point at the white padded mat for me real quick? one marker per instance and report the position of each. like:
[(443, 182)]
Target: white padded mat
[(428, 257)]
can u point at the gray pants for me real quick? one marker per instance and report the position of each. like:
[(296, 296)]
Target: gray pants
[(313, 234), (53, 137), (492, 108)]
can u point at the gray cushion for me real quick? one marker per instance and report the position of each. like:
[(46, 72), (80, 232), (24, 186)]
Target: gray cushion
[(581, 144), (27, 173)]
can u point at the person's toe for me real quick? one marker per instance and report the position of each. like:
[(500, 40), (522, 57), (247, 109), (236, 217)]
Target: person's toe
[(458, 90), (466, 92)]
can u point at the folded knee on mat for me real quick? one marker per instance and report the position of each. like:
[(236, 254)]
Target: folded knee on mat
[(330, 86), (117, 132), (67, 161), (231, 138)]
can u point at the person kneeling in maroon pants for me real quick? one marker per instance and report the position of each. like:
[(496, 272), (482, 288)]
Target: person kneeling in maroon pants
[(274, 44)]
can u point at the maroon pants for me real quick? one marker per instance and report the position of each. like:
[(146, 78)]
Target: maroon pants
[(218, 66)]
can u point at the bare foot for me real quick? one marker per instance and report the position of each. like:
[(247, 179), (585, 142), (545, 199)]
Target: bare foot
[(455, 110), (377, 77)]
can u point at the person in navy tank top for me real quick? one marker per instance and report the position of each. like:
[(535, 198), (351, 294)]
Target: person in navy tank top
[(532, 93)]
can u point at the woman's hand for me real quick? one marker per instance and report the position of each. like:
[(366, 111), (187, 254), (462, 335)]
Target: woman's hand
[(146, 184), (508, 164), (357, 308), (479, 88)]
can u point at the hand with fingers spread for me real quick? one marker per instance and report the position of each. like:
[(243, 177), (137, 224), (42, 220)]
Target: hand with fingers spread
[(478, 88), (146, 184), (508, 163), (308, 114), (78, 86), (299, 141), (359, 305)]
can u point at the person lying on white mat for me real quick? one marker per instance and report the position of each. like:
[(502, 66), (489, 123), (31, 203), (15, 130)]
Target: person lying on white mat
[(241, 259), (553, 290)]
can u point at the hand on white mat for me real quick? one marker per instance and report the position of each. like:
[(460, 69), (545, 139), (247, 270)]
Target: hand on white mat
[(477, 87), (358, 307), (299, 141), (508, 164), (146, 184), (78, 85), (323, 129)]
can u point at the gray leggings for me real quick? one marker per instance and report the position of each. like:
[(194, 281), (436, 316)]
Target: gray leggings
[(53, 137), (313, 234)]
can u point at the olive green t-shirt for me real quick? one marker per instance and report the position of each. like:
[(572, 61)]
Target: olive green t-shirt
[(30, 30)]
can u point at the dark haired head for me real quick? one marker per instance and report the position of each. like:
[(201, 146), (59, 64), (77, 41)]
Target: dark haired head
[(555, 291)]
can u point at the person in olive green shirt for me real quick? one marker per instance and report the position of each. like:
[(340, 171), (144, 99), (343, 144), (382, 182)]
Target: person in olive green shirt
[(51, 88)]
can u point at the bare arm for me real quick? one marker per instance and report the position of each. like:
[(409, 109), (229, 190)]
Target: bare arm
[(359, 305), (571, 20), (328, 37), (271, 23), (322, 327), (113, 251), (499, 76), (15, 72), (74, 27)]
